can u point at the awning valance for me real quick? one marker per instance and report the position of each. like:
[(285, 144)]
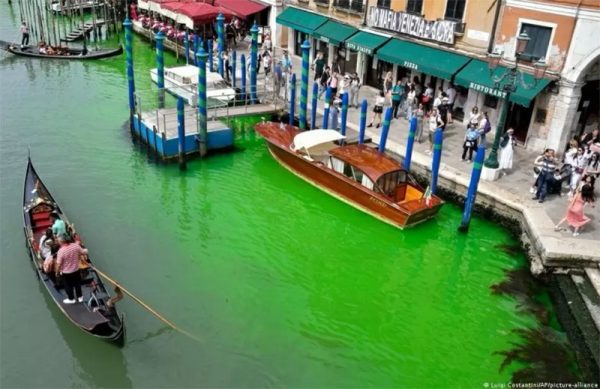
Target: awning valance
[(365, 42), (334, 32), (425, 59), (476, 76), (300, 20), (241, 8)]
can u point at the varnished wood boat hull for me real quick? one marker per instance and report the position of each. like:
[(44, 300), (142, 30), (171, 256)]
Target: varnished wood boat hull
[(351, 192)]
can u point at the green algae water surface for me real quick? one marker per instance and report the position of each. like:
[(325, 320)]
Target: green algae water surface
[(285, 286)]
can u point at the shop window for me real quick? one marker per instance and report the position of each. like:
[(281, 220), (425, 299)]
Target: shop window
[(455, 9), (414, 6), (384, 3), (539, 40), (540, 115), (490, 101)]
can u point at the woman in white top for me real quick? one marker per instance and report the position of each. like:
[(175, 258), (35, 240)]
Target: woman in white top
[(411, 100), (45, 243), (378, 109), (507, 150), (474, 117), (434, 121)]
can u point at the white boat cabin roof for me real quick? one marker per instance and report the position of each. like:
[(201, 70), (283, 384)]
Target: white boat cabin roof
[(309, 141)]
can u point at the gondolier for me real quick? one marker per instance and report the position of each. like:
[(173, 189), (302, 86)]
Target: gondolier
[(24, 34)]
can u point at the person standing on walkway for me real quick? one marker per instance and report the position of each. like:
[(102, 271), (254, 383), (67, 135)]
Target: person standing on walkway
[(67, 261), (333, 83), (451, 93), (354, 88), (575, 216), (323, 81), (547, 165), (474, 117), (267, 62), (578, 164), (378, 109), (420, 114), (397, 95), (411, 101), (470, 143), (434, 121), (24, 34), (277, 78), (506, 151), (427, 98), (387, 84), (318, 66)]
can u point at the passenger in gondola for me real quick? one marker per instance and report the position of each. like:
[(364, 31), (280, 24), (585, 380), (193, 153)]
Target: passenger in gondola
[(46, 241), (49, 265), (42, 47), (50, 50), (67, 265), (58, 227)]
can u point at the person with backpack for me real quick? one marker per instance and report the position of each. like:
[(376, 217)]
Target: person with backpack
[(484, 127), (470, 143)]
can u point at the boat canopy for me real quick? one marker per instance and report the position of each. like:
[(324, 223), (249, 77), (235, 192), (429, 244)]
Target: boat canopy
[(373, 163), (309, 141)]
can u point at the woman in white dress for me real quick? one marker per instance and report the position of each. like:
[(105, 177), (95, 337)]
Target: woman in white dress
[(507, 151)]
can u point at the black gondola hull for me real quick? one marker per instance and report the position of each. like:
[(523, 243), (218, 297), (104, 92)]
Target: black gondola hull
[(75, 54)]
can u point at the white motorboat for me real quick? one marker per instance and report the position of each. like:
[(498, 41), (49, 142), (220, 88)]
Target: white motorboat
[(183, 81)]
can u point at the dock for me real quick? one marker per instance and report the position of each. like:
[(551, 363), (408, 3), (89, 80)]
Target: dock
[(79, 32)]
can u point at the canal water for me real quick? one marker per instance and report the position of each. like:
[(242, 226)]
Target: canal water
[(284, 285)]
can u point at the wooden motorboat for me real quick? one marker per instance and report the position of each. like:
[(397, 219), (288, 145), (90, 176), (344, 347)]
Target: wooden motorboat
[(97, 314), (356, 174), (72, 53)]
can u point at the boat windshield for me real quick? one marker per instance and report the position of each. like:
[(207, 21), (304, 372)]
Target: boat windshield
[(220, 84)]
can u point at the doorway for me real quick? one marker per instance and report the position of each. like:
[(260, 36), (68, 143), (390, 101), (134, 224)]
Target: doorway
[(519, 118)]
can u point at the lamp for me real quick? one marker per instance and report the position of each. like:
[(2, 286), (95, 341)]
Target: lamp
[(522, 41), (539, 69), (493, 60)]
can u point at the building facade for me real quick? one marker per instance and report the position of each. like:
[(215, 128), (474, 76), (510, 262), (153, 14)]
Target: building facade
[(447, 41)]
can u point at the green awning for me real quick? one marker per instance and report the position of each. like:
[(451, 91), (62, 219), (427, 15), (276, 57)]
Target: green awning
[(439, 63), (476, 76), (365, 42), (300, 20), (334, 32)]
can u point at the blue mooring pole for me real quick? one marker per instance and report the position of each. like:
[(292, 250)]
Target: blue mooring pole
[(196, 48), (344, 113), (472, 191), (412, 130), (181, 133), (211, 66), (243, 88), (292, 99), (313, 106), (438, 138), (160, 68), (304, 84), (220, 42), (253, 62), (326, 109), (233, 68), (385, 129), (186, 47), (362, 122), (130, 80), (202, 130)]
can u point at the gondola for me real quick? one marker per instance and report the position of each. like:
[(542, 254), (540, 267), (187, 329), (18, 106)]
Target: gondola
[(97, 314), (74, 54)]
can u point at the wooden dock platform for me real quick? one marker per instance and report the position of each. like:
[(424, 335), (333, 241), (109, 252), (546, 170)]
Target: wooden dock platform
[(80, 31)]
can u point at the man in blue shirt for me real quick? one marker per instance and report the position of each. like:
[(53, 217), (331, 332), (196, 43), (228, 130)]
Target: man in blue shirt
[(277, 77), (58, 228)]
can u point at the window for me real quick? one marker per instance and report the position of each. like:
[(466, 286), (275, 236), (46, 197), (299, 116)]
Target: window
[(539, 40), (384, 3), (455, 9), (490, 101), (414, 6)]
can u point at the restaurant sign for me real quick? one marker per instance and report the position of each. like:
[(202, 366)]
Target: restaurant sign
[(415, 25), (487, 90)]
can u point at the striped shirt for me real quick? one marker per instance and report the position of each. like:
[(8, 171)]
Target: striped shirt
[(68, 257)]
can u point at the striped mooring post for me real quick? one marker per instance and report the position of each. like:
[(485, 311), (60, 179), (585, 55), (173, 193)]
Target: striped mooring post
[(233, 68), (253, 62), (186, 47), (412, 130), (196, 47), (362, 124), (243, 88), (344, 113), (304, 84), (211, 66), (160, 68), (326, 107), (385, 128), (313, 105), (202, 130), (472, 191), (438, 138), (220, 41), (292, 110), (181, 133), (130, 80)]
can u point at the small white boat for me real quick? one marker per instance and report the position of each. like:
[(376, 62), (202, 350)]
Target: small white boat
[(183, 81), (67, 6)]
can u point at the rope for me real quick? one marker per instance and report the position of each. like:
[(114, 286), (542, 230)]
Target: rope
[(147, 307)]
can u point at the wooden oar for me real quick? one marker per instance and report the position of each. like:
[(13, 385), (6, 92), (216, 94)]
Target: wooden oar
[(147, 307)]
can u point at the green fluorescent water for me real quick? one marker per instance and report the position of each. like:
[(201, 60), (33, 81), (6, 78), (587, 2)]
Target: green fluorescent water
[(286, 286)]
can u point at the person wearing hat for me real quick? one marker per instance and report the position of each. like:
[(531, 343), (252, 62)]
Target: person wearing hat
[(506, 150)]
